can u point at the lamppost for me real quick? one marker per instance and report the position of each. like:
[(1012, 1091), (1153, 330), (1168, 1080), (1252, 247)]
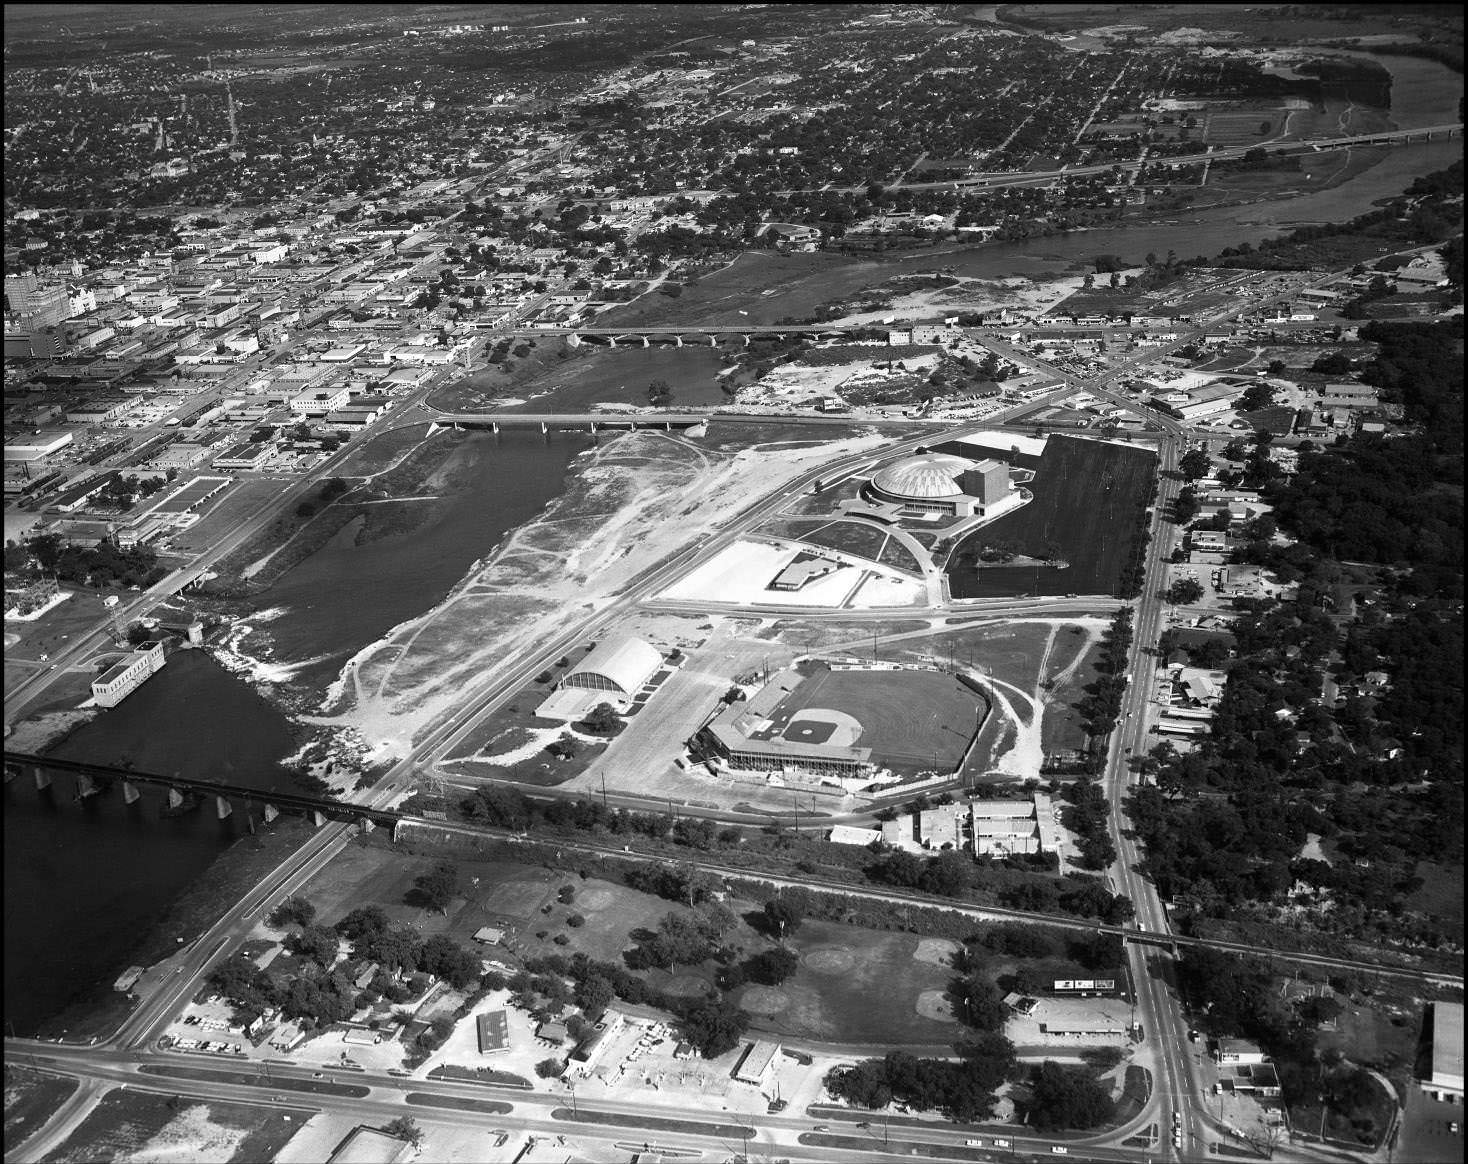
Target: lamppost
[(571, 1087)]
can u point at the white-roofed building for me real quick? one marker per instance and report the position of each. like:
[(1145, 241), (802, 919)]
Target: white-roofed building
[(1445, 1081), (612, 673), (617, 665)]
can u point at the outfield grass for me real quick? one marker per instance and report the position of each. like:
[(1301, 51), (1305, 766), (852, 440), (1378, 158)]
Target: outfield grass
[(910, 719), (1087, 496)]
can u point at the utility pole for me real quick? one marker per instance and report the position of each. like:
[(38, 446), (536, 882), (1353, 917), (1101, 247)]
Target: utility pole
[(604, 804)]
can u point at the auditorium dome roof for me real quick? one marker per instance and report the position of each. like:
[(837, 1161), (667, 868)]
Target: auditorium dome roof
[(930, 476)]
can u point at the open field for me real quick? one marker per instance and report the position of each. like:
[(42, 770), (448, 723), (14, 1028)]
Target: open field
[(31, 1098), (1088, 497), (857, 986), (853, 985), (129, 1125), (910, 719), (225, 512), (1441, 898)]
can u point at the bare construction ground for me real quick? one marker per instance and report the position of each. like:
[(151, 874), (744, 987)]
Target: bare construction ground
[(637, 500)]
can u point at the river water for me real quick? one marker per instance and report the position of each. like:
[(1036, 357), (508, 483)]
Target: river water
[(85, 879), (346, 596)]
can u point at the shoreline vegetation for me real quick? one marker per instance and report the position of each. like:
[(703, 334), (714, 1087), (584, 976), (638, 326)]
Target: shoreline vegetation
[(97, 1009)]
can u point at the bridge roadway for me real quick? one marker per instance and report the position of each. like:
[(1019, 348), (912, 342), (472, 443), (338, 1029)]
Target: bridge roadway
[(679, 420), (295, 801)]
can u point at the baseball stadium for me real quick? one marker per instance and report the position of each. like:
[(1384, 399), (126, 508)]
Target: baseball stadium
[(849, 720)]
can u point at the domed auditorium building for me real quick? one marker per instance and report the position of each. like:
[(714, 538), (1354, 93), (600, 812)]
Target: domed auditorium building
[(938, 485)]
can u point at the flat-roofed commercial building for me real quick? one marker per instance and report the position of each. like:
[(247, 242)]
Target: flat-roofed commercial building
[(493, 1028), (128, 674), (756, 1063), (365, 1145), (1445, 1067)]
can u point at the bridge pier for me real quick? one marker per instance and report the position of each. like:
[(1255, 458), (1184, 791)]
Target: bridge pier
[(494, 427), (85, 786), (222, 807), (678, 339), (573, 340), (43, 779), (316, 818), (746, 339), (270, 813), (593, 428), (175, 798), (130, 793), (611, 341), (366, 824), (714, 341)]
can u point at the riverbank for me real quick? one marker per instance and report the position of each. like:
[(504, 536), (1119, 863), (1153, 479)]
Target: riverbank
[(98, 1010), (634, 501)]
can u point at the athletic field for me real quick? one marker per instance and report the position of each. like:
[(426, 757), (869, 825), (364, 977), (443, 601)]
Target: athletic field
[(909, 719)]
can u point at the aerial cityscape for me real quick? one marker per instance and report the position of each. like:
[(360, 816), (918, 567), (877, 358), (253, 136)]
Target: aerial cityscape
[(733, 583)]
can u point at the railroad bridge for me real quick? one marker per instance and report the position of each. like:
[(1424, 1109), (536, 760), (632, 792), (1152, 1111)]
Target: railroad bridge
[(97, 779)]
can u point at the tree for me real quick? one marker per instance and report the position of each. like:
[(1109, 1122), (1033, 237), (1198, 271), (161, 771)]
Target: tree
[(659, 393), (1065, 1098), (405, 1128), (714, 1026), (1194, 464), (1184, 591), (784, 914), (602, 719), (593, 995), (293, 910), (549, 1068), (318, 943), (436, 888), (983, 1004), (772, 967)]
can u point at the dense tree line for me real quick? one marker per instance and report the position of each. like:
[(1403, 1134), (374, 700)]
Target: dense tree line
[(100, 565), (948, 874), (962, 1090), (1376, 771)]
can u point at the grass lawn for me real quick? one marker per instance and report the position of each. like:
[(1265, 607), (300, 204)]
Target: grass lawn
[(1087, 497), (1441, 898), (1313, 1119), (136, 1124), (31, 1098), (1061, 728), (856, 986), (851, 537), (1372, 1035)]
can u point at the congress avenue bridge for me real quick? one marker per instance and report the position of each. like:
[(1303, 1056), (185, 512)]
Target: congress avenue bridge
[(95, 779)]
